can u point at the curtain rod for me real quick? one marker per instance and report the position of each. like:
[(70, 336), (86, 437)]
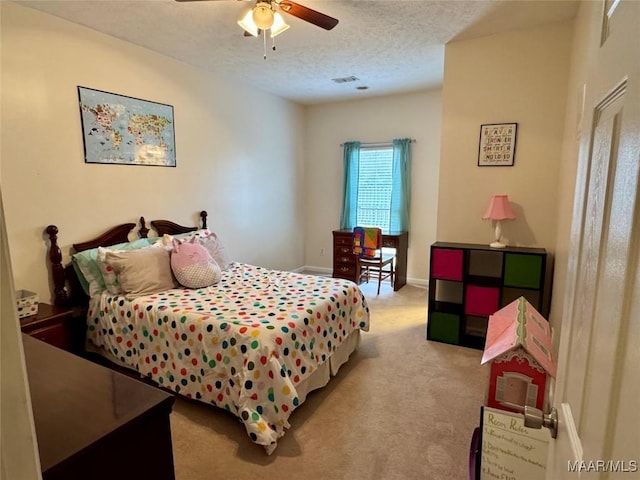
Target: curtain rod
[(379, 144)]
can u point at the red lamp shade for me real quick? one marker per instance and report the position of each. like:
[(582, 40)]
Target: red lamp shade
[(499, 209)]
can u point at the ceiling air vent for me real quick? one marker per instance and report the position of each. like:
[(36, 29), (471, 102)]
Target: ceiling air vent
[(345, 79)]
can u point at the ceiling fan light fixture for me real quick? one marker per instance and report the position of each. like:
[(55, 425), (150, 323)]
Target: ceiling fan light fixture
[(279, 25), (248, 25), (263, 15)]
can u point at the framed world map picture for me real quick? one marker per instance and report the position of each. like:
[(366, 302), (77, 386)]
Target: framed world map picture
[(126, 130)]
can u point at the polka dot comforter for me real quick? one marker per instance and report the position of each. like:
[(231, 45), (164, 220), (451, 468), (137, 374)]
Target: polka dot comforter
[(243, 344)]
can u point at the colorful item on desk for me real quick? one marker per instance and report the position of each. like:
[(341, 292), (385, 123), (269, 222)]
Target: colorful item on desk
[(366, 240)]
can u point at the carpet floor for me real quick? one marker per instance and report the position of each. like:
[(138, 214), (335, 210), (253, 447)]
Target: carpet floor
[(401, 408)]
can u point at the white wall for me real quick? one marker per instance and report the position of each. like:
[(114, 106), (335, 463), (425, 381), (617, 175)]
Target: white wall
[(518, 77), (245, 172), (413, 115), (224, 155)]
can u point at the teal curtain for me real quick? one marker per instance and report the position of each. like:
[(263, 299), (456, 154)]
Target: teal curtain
[(401, 189), (351, 159)]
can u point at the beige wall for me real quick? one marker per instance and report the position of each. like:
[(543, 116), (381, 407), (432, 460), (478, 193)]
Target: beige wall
[(246, 172), (224, 154), (414, 115), (511, 77)]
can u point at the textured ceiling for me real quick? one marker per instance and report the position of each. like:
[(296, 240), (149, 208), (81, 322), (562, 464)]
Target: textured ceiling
[(391, 46)]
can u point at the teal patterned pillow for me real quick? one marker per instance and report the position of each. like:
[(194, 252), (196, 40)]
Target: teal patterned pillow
[(84, 263)]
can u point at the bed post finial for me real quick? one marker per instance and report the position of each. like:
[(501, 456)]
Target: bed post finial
[(60, 295), (203, 216), (144, 231)]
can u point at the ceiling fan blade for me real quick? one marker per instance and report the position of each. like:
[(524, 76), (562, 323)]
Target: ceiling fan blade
[(308, 15)]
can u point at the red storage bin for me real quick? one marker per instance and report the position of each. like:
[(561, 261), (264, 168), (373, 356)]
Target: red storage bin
[(481, 301), (447, 264)]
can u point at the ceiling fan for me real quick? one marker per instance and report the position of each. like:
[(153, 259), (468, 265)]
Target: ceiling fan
[(265, 16)]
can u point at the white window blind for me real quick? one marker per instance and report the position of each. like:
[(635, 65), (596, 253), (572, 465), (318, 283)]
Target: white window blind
[(374, 187)]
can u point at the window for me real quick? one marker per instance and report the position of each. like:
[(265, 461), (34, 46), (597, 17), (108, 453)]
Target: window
[(516, 390), (375, 176), (377, 185)]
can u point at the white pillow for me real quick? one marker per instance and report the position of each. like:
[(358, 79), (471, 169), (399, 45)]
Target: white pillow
[(109, 276), (166, 241), (142, 272), (207, 239), (108, 273), (216, 249)]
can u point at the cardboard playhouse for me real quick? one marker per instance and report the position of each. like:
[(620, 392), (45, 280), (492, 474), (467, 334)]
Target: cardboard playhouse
[(518, 347)]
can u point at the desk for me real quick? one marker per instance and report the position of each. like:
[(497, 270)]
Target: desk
[(92, 422), (347, 265)]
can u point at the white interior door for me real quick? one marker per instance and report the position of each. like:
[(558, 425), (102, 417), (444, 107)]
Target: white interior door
[(598, 384), (19, 457)]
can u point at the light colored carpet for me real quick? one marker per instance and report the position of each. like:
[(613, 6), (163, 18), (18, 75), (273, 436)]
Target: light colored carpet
[(402, 408)]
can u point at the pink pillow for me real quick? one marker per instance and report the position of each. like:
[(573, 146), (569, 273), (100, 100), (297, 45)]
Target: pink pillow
[(193, 266)]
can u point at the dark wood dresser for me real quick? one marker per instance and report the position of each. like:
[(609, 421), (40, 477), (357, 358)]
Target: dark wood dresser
[(347, 265), (94, 423)]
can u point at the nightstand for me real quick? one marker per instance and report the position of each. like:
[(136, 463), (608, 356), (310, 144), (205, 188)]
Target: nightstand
[(51, 324)]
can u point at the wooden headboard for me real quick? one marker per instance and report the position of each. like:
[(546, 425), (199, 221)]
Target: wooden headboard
[(67, 291), (171, 228)]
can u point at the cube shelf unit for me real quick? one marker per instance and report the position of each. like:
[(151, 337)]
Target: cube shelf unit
[(469, 282)]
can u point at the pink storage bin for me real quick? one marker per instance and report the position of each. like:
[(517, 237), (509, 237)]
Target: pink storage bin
[(447, 263), (481, 301)]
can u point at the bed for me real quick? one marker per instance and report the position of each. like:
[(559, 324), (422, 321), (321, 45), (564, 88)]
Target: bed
[(254, 344)]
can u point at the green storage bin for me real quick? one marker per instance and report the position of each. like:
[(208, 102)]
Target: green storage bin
[(521, 270), (444, 327)]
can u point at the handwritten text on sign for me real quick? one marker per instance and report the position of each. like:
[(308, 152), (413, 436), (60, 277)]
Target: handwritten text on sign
[(511, 451)]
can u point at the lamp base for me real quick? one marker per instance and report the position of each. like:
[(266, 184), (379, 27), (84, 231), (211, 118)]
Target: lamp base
[(498, 243)]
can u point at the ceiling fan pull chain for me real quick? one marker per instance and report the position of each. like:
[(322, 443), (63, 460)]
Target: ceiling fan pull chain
[(273, 43), (264, 43)]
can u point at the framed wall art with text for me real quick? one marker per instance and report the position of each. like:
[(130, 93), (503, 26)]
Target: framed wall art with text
[(497, 144)]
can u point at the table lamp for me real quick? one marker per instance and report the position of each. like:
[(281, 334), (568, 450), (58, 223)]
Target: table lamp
[(498, 210)]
